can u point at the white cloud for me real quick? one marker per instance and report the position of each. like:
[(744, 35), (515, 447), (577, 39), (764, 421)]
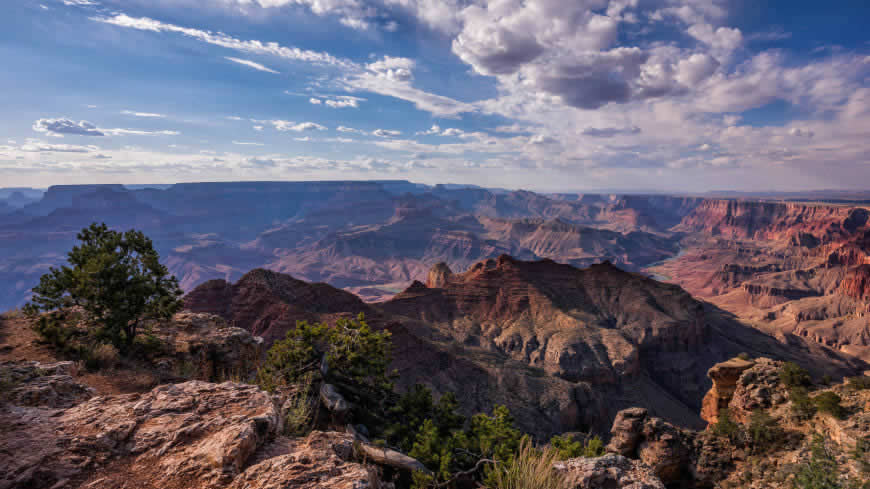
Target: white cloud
[(59, 127), (282, 125), (138, 132), (315, 101), (251, 64), (386, 133), (223, 40), (349, 129), (247, 143), (143, 114), (435, 129), (36, 146)]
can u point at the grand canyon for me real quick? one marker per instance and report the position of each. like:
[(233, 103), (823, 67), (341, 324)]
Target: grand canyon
[(570, 310), (434, 244)]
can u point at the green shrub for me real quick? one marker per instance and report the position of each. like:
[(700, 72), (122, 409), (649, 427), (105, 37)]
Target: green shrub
[(762, 431), (725, 427), (744, 356), (530, 468), (829, 402), (792, 375), (859, 383), (569, 447), (820, 471), (52, 329), (802, 407)]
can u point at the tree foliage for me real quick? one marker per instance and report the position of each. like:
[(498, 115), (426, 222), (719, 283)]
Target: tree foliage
[(116, 279), (820, 472), (763, 431), (570, 447), (348, 354), (793, 375), (829, 402)]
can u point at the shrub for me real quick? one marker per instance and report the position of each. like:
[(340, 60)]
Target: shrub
[(102, 356), (725, 427), (568, 447), (116, 278), (763, 431), (829, 402), (802, 407), (529, 469), (744, 356), (860, 382), (299, 406), (792, 375), (820, 471), (52, 329)]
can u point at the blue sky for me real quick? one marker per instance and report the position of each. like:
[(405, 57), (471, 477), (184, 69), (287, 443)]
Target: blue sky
[(667, 95)]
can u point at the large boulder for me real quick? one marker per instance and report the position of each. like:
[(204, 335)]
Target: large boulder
[(194, 434), (661, 446), (48, 385), (321, 460), (611, 471)]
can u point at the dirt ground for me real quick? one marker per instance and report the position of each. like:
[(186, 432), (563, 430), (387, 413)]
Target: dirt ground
[(18, 342)]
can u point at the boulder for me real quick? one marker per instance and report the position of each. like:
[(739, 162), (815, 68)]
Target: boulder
[(758, 387), (661, 446), (194, 434), (610, 471), (321, 460), (48, 385)]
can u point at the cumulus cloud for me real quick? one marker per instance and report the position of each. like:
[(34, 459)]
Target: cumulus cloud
[(315, 101), (386, 133), (62, 126), (349, 129), (251, 64)]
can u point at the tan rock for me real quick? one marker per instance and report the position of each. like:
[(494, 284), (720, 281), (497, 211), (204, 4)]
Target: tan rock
[(610, 471), (724, 376)]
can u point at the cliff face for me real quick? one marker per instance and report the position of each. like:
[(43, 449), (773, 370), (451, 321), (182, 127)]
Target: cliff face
[(856, 283), (773, 220), (590, 324)]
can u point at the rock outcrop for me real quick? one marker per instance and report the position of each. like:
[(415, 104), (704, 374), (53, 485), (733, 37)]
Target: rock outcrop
[(724, 376), (48, 385), (661, 446), (207, 346), (268, 304), (610, 471)]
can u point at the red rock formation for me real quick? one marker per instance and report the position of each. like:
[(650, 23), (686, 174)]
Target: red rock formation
[(773, 220), (268, 304), (724, 376), (856, 283)]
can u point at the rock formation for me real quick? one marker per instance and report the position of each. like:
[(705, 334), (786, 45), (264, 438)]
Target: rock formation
[(609, 471)]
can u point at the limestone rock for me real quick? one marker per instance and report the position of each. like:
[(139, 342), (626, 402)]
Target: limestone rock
[(195, 433), (610, 471), (724, 376), (321, 460), (48, 385)]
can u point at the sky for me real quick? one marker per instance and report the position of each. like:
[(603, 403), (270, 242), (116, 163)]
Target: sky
[(548, 95)]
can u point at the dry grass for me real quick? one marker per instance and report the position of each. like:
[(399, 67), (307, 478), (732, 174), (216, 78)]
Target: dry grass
[(299, 406), (531, 468)]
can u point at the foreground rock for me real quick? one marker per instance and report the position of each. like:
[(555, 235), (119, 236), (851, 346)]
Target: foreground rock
[(610, 471), (48, 385), (194, 433), (322, 460)]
